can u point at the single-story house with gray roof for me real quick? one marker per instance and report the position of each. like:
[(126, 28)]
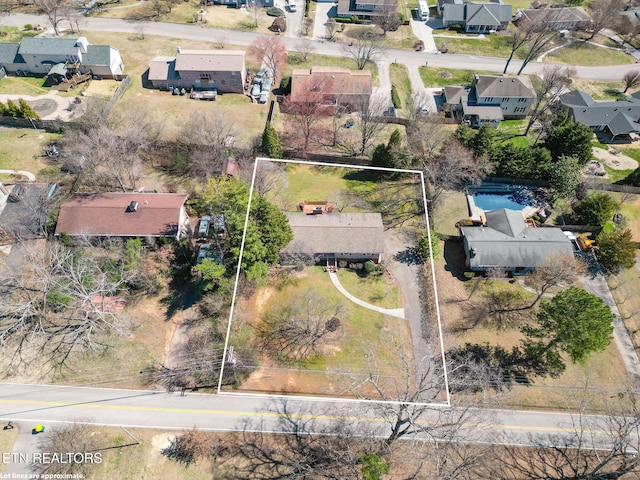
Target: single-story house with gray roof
[(476, 17), (617, 120), (506, 242), (37, 55), (331, 237), (562, 18)]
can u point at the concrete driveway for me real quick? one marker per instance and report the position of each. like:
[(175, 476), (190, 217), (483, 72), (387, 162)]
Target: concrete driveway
[(324, 11), (424, 31)]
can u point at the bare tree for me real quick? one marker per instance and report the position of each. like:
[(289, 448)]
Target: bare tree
[(364, 47), (387, 18), (255, 10), (62, 304), (71, 439), (598, 447), (446, 163), (308, 448), (551, 86), (139, 28), (518, 37), (330, 28), (604, 14), (631, 79), (55, 10), (306, 114), (157, 7), (305, 48), (369, 120), (295, 330), (307, 23), (271, 51), (270, 178), (207, 140), (538, 36)]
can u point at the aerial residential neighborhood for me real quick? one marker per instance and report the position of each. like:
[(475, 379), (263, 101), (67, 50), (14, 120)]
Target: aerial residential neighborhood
[(396, 240)]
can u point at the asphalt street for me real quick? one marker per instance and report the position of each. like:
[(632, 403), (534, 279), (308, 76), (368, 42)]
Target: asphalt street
[(408, 57), (49, 404)]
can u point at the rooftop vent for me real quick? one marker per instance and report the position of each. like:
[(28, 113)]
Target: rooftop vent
[(133, 207)]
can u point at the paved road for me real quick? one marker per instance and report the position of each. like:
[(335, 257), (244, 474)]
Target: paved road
[(408, 57), (50, 405)]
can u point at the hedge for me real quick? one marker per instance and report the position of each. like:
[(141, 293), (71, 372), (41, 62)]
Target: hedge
[(395, 97)]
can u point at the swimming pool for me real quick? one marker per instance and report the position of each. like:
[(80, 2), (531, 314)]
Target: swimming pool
[(495, 196)]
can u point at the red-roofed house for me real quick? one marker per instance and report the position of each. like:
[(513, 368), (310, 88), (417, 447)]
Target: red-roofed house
[(341, 88), (124, 215)]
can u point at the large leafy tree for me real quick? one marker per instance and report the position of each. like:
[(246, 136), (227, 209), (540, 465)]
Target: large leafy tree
[(595, 210), (565, 176), (570, 138), (616, 250), (267, 230), (574, 322)]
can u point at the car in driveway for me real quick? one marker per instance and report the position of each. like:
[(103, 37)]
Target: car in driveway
[(203, 252), (260, 76), (203, 229), (255, 90)]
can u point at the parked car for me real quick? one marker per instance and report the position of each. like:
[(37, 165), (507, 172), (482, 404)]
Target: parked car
[(203, 252), (255, 91), (260, 75), (203, 230), (266, 85), (264, 97)]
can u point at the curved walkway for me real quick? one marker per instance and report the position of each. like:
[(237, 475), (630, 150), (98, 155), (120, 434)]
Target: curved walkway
[(394, 312), (30, 176)]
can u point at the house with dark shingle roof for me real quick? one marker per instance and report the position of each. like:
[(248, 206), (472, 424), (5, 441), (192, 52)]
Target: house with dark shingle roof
[(221, 70), (616, 120), (38, 55), (354, 237), (490, 99), (365, 9), (475, 17), (505, 242), (123, 215)]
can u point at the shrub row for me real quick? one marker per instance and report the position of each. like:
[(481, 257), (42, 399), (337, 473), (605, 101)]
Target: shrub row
[(23, 110)]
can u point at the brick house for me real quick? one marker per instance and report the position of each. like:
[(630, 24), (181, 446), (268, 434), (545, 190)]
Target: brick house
[(222, 70), (341, 89)]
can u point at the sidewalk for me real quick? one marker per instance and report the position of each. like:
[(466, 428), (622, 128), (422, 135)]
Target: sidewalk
[(394, 312)]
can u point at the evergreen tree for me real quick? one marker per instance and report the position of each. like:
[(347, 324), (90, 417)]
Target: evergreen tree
[(616, 250), (271, 146), (26, 111), (14, 110), (570, 138)]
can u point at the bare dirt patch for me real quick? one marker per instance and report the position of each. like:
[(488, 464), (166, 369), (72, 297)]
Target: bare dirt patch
[(102, 88), (615, 161)]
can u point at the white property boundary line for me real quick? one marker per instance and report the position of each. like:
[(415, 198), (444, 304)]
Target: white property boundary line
[(433, 278)]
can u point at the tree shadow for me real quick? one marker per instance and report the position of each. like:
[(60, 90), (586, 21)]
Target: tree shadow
[(183, 291), (455, 259), (408, 256)]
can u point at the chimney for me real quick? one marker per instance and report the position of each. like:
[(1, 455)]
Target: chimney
[(133, 207)]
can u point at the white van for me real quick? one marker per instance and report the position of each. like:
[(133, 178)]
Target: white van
[(292, 6), (423, 10)]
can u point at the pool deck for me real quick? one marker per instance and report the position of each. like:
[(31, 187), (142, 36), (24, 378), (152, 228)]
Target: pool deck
[(477, 214)]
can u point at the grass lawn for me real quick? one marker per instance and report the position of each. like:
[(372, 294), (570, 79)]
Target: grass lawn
[(312, 183), (400, 79), (513, 127), (579, 53), (16, 34), (22, 149), (632, 153), (599, 90), (362, 332), (438, 77), (23, 86), (602, 375), (378, 290), (488, 46), (172, 111), (453, 208)]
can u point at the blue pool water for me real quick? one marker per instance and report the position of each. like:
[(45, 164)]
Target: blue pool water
[(488, 197), (495, 201)]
